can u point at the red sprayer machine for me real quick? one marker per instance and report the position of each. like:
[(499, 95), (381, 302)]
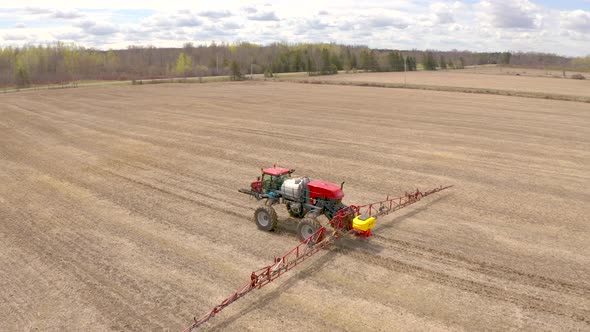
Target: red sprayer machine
[(306, 200)]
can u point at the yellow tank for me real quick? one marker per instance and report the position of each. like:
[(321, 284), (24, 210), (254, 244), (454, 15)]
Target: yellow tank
[(363, 223)]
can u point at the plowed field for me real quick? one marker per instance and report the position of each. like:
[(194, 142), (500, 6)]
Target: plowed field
[(483, 79), (119, 208)]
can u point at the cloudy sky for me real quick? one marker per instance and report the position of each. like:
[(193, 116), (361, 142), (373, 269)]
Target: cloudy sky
[(561, 27)]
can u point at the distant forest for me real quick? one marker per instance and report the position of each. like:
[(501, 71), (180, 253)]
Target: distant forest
[(61, 63)]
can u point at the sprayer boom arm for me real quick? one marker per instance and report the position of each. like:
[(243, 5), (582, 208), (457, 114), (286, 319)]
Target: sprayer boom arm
[(390, 205)]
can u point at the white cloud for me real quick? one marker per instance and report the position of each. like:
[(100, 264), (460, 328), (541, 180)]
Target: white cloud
[(216, 13), (42, 12), (15, 36), (69, 35), (442, 13), (493, 25), (455, 27), (515, 14), (385, 21), (97, 28), (264, 16), (66, 14), (250, 10), (38, 10), (182, 18), (577, 20)]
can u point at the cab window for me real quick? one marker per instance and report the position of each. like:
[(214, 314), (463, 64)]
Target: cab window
[(266, 180)]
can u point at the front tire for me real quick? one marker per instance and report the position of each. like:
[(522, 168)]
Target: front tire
[(307, 227), (265, 218), (299, 215)]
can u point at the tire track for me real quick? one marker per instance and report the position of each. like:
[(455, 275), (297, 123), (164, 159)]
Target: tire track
[(77, 252), (153, 184), (184, 181), (153, 187), (486, 268), (15, 294), (496, 293), (92, 125), (76, 256)]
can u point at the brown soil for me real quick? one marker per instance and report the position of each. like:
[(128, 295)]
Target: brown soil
[(119, 208), (470, 78)]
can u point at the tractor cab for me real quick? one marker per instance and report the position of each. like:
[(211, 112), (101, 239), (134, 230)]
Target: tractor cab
[(272, 179)]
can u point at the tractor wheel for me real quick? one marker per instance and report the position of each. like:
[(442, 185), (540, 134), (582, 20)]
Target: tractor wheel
[(265, 218), (295, 215), (307, 227)]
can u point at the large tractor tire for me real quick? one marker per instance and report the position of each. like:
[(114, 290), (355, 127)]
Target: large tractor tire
[(265, 218), (299, 215), (307, 227), (331, 214)]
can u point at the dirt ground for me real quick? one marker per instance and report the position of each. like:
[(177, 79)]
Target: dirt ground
[(527, 80), (510, 70), (119, 208)]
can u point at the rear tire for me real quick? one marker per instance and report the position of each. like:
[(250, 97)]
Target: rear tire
[(307, 227), (265, 218)]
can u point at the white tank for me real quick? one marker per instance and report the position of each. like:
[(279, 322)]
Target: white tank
[(293, 189)]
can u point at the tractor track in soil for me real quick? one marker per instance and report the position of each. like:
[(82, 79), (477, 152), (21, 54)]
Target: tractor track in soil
[(485, 268), (74, 264), (368, 148), (492, 292), (121, 210), (287, 137), (152, 164), (80, 242), (162, 190)]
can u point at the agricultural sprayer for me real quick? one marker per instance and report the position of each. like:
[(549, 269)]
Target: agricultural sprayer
[(306, 200)]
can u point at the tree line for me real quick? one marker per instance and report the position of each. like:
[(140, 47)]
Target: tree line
[(60, 63)]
